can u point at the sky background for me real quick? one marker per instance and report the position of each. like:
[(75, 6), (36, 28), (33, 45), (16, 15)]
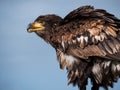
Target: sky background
[(26, 61)]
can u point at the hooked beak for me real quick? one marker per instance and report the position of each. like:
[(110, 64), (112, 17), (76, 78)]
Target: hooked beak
[(35, 26)]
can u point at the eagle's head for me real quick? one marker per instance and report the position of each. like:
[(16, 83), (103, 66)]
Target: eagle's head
[(44, 25)]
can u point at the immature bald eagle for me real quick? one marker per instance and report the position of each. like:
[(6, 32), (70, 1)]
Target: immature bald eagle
[(87, 43)]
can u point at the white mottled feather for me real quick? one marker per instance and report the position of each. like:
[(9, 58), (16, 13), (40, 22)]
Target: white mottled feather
[(68, 60), (118, 67), (78, 39), (74, 41), (86, 39), (97, 38), (81, 39), (63, 45)]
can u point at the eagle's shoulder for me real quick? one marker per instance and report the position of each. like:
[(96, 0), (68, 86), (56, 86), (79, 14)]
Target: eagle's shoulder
[(78, 13)]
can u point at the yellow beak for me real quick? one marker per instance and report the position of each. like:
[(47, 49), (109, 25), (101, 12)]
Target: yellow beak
[(35, 26)]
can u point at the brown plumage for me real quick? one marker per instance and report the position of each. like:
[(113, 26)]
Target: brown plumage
[(87, 43)]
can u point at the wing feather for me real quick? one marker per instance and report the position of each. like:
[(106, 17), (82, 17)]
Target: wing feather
[(90, 32)]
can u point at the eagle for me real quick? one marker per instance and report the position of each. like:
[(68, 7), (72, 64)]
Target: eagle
[(87, 45)]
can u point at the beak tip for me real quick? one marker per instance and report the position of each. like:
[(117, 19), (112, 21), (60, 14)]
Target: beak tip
[(29, 30)]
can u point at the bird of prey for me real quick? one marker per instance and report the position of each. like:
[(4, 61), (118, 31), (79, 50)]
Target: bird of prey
[(87, 44)]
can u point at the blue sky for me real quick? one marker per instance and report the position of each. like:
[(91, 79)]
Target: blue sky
[(26, 61)]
